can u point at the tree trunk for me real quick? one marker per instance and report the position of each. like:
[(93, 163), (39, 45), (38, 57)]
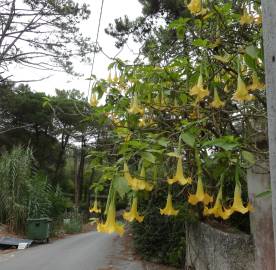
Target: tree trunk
[(64, 142), (79, 178)]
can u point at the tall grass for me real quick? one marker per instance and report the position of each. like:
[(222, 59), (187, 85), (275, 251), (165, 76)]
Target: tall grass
[(15, 175), (24, 192)]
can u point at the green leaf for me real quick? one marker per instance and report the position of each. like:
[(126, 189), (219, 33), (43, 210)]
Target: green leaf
[(252, 51), (226, 142), (264, 194), (163, 142), (200, 42), (188, 138), (251, 62), (173, 154), (121, 186), (249, 157), (148, 156)]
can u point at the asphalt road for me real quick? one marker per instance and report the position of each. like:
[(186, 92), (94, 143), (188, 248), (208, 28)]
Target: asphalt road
[(89, 251)]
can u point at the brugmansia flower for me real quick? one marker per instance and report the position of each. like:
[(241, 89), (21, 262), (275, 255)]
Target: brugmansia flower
[(200, 196), (110, 226), (133, 214), (218, 210), (142, 122), (259, 20), (95, 208), (241, 93), (93, 100), (198, 90), (127, 175), (217, 103), (135, 183), (134, 106), (179, 176), (246, 18), (148, 186), (238, 204), (169, 210), (195, 7), (256, 85)]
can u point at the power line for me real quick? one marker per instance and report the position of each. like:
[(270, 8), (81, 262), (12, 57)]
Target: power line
[(96, 43)]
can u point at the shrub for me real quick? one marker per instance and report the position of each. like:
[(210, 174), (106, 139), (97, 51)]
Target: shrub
[(161, 238), (74, 222)]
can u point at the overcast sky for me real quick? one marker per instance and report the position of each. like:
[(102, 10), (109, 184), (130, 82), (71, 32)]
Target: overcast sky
[(112, 9)]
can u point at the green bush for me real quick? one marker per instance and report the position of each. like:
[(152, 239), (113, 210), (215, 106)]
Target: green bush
[(161, 238), (25, 192), (74, 222)]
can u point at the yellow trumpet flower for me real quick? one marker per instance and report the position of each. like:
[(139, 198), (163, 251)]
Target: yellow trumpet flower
[(246, 18), (95, 208), (135, 107), (256, 85), (133, 213), (140, 184), (109, 79), (195, 7), (137, 184), (142, 122), (179, 176), (110, 226), (217, 103), (93, 100), (258, 20), (169, 210), (198, 90), (127, 175), (115, 79), (200, 196), (238, 204), (241, 93), (218, 210)]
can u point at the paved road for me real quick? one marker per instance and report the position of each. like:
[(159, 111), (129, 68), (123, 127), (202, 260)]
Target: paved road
[(89, 251)]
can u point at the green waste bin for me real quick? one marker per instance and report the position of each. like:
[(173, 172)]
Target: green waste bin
[(38, 228)]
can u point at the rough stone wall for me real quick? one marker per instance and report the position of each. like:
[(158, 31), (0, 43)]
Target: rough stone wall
[(211, 249)]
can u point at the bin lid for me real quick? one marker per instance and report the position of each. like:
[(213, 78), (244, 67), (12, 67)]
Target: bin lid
[(39, 219)]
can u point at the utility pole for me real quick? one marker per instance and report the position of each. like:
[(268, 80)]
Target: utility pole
[(269, 36)]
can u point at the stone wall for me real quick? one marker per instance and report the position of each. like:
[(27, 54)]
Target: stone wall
[(209, 248)]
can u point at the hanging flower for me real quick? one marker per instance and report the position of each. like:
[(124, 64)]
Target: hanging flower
[(133, 214), (238, 204), (109, 79), (200, 196), (217, 103), (179, 176), (148, 186), (115, 79), (141, 184), (246, 18), (218, 210), (110, 226), (256, 84), (258, 20), (169, 210), (198, 90), (195, 7), (127, 175), (135, 107), (93, 100), (241, 93), (95, 208), (142, 122)]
